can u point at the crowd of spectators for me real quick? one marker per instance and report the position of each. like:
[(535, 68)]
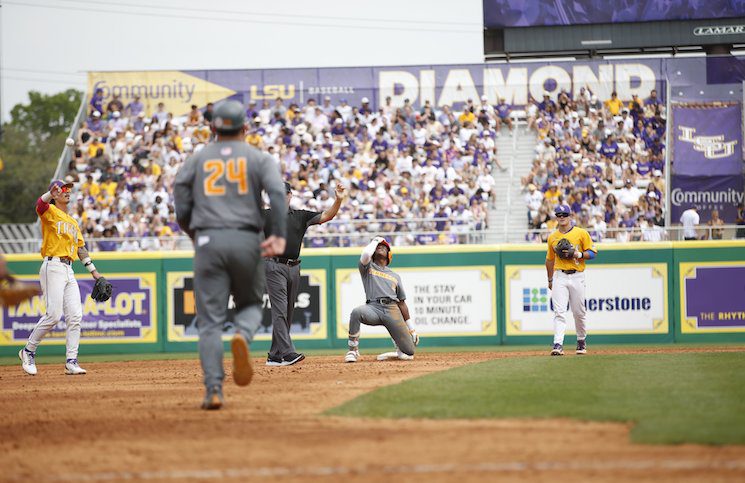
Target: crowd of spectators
[(604, 159), (422, 175)]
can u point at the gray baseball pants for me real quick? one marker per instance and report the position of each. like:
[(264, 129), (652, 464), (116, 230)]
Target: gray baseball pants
[(388, 315), (226, 262)]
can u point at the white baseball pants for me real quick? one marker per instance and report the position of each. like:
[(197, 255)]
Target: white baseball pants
[(61, 297), (568, 292)]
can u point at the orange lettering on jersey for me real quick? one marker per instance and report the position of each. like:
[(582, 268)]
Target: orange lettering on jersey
[(215, 168), (237, 173)]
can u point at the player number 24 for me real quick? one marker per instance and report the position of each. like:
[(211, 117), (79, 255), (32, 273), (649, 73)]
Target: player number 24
[(234, 171)]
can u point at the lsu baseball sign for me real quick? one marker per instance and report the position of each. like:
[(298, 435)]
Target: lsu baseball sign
[(637, 305), (442, 301), (129, 316)]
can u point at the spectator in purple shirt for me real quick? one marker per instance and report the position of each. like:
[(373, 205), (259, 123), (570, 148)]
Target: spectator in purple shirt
[(503, 114), (609, 148), (652, 100), (97, 101), (379, 144), (134, 108)]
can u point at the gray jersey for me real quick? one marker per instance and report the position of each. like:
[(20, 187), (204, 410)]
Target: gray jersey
[(381, 282), (220, 187)]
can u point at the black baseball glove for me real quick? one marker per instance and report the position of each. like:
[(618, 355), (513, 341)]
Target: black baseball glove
[(564, 249), (101, 290)]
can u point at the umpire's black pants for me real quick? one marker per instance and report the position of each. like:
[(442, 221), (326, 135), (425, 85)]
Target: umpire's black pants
[(282, 282)]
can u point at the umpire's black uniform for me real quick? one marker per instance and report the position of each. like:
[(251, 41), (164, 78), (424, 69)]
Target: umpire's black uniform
[(282, 282)]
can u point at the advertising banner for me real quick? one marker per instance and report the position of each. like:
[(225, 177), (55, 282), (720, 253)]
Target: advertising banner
[(707, 193), (636, 306), (707, 140), (711, 295), (440, 85), (442, 301), (531, 13), (129, 316), (309, 317)]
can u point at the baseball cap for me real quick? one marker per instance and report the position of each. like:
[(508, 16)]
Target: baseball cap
[(657, 172), (365, 100), (562, 209), (60, 183), (288, 188), (327, 98)]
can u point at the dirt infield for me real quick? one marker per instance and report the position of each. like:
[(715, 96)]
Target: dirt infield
[(141, 421)]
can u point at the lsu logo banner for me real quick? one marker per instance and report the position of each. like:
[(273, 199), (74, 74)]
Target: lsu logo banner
[(707, 139)]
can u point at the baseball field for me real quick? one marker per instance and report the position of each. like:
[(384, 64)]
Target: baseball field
[(623, 413)]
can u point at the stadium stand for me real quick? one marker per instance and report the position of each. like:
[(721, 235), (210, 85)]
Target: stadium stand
[(425, 177)]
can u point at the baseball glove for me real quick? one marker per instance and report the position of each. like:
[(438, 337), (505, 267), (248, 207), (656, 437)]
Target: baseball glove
[(101, 290), (564, 249), (13, 292)]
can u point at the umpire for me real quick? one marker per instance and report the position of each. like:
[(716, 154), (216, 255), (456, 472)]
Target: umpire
[(218, 203), (283, 276)]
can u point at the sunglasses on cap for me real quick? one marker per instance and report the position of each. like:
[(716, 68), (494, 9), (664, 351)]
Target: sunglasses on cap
[(562, 215), (65, 189)]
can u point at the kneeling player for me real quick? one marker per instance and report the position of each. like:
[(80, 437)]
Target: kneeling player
[(385, 305)]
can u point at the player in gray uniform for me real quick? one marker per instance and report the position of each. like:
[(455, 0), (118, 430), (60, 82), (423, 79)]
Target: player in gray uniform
[(218, 203), (385, 305)]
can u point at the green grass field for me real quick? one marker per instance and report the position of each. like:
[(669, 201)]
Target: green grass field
[(671, 398)]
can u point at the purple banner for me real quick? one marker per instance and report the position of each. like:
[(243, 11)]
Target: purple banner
[(707, 193), (715, 296), (530, 13), (128, 316), (707, 141)]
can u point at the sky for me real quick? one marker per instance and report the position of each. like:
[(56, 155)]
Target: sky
[(49, 45)]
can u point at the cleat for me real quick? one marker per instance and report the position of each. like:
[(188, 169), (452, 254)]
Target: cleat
[(352, 356), (404, 357), (272, 362), (213, 398), (581, 347), (292, 358), (72, 368), (28, 361), (242, 370), (558, 350)]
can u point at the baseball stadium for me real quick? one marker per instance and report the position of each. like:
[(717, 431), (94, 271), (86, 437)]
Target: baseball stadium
[(495, 240)]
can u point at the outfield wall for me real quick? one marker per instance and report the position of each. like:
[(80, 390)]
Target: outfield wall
[(458, 295)]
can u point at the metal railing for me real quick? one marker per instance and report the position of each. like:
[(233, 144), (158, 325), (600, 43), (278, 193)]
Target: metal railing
[(358, 238)]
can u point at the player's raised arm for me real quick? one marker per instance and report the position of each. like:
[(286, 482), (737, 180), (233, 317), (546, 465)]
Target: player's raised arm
[(368, 251)]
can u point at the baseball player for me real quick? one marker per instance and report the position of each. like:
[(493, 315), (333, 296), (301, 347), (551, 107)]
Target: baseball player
[(283, 276), (218, 203), (385, 305), (568, 249), (61, 241)]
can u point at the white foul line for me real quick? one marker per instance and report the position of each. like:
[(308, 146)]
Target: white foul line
[(502, 467)]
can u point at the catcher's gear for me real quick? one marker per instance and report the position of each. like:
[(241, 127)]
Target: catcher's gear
[(564, 249), (229, 117), (13, 292), (101, 290)]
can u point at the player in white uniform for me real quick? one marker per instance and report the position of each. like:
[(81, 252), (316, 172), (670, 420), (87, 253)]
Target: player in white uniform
[(566, 277), (61, 241)]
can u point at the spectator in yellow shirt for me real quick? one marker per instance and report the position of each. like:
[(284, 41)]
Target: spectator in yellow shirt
[(94, 146), (614, 104), (254, 139), (467, 116), (93, 188)]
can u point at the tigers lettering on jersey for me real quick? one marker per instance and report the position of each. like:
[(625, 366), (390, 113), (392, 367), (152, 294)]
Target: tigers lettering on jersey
[(61, 236), (580, 240)]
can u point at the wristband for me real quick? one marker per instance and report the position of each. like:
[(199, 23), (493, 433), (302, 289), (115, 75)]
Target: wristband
[(46, 197), (88, 264)]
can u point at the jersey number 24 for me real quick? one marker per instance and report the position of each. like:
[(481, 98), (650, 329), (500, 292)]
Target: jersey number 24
[(234, 171)]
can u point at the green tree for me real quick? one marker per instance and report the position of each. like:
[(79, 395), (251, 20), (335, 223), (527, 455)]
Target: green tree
[(31, 145)]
